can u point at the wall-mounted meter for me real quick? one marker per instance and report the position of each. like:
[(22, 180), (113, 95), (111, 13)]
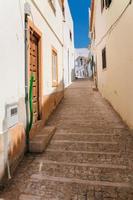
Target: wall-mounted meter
[(12, 115)]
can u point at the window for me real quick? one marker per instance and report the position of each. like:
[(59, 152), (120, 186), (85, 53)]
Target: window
[(61, 2), (54, 68), (52, 4), (94, 35), (105, 4), (70, 35), (102, 5), (81, 61), (108, 2), (14, 111), (104, 62)]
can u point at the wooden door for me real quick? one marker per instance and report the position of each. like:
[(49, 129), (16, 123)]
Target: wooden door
[(34, 69)]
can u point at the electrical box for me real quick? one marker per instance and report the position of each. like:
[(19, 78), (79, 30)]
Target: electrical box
[(12, 115)]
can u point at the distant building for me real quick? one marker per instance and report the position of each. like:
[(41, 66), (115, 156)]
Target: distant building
[(82, 66)]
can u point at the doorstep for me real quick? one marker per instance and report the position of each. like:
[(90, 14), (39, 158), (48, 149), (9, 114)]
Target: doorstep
[(40, 141)]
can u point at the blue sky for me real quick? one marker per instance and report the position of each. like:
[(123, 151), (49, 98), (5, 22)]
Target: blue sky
[(79, 10)]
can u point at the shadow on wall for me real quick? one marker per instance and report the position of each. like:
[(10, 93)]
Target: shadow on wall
[(51, 101), (13, 140), (12, 148)]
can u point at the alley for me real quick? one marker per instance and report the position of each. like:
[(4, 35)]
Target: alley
[(89, 158)]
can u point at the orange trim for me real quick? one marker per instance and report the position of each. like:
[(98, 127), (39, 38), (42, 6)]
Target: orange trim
[(55, 83), (62, 1)]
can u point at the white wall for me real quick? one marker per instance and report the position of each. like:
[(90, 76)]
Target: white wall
[(12, 68), (12, 57), (49, 40), (68, 46), (116, 82)]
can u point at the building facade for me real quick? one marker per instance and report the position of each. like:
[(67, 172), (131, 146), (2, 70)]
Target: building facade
[(31, 70), (82, 65), (68, 46), (111, 46)]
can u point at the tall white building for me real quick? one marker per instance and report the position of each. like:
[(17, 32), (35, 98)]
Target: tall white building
[(68, 46), (34, 66), (82, 65), (111, 34)]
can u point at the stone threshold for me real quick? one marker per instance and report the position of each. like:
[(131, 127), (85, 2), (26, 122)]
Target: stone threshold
[(83, 152), (82, 142), (40, 177), (59, 133), (40, 141), (108, 166)]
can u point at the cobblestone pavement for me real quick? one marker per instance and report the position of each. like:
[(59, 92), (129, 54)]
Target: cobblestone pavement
[(89, 158)]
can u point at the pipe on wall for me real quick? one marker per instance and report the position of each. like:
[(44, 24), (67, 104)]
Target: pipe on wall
[(26, 81)]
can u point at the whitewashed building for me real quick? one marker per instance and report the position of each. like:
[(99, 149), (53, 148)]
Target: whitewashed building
[(33, 54), (82, 66), (111, 32), (68, 46)]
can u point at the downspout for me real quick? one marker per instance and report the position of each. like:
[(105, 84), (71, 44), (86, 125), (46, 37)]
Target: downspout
[(63, 47), (26, 82), (30, 101)]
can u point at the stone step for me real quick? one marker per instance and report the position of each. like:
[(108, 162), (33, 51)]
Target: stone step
[(115, 133), (43, 177), (76, 124), (84, 146), (40, 141), (89, 172), (87, 122), (29, 197), (37, 162), (87, 112), (50, 188), (91, 130), (86, 119), (86, 157), (87, 137)]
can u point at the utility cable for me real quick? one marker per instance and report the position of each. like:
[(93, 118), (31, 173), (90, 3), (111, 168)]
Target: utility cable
[(114, 24)]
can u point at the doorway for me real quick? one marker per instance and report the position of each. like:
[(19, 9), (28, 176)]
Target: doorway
[(35, 70)]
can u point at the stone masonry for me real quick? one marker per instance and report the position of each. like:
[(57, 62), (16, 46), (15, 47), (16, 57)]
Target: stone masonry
[(89, 158)]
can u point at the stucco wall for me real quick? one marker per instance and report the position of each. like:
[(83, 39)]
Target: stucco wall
[(116, 82), (68, 46), (12, 70), (11, 56)]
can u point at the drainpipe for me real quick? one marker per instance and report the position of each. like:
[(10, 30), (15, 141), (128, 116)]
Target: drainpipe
[(63, 49), (26, 81)]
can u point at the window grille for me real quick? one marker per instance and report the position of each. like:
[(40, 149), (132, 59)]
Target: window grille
[(53, 6), (104, 61), (54, 69)]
